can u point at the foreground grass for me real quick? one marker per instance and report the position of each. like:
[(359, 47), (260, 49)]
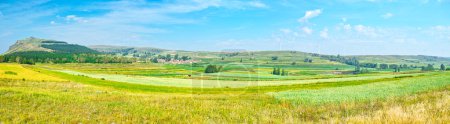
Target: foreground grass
[(383, 89), (56, 102), (421, 99)]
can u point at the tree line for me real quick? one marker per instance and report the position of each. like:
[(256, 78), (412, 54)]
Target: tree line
[(169, 57), (33, 57), (279, 71)]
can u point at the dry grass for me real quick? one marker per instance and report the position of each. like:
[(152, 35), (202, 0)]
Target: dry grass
[(73, 102), (432, 107), (17, 72), (56, 102)]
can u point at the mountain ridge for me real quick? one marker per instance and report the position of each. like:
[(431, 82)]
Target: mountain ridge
[(54, 46)]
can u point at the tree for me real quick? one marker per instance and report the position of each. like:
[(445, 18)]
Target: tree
[(308, 60), (168, 57), (384, 66), (357, 69), (184, 58), (18, 59), (393, 66), (442, 67), (279, 71), (213, 69), (241, 60), (293, 63), (428, 68), (274, 57), (176, 57), (155, 60)]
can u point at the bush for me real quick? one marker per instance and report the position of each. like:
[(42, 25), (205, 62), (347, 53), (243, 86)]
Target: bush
[(213, 69), (10, 73), (274, 57), (448, 69)]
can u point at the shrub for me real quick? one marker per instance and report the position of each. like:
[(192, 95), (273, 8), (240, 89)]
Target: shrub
[(213, 69), (10, 73), (274, 57)]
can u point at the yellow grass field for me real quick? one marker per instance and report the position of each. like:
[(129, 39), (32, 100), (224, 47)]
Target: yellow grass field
[(18, 72)]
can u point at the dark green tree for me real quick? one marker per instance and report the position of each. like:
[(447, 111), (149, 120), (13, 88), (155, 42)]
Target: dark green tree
[(168, 57), (213, 69), (274, 57), (176, 57), (357, 69), (154, 60)]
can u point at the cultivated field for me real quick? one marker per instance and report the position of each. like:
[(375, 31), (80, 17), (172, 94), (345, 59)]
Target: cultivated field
[(86, 95)]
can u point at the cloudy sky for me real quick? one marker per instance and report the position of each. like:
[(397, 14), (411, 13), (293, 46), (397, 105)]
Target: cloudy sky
[(346, 27)]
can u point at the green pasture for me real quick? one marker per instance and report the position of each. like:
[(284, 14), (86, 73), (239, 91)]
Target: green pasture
[(365, 92)]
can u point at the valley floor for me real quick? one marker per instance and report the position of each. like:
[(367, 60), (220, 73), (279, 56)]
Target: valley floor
[(58, 97)]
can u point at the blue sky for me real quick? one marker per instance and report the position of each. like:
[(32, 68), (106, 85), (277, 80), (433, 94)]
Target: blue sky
[(346, 27)]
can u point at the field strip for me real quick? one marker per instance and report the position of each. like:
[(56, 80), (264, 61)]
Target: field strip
[(173, 82), (21, 73), (365, 92)]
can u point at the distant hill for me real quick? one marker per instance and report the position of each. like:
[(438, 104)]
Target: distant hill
[(405, 59), (41, 49), (45, 45), (35, 50), (124, 49), (128, 51)]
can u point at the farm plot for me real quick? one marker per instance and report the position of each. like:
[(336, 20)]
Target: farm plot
[(366, 92), (216, 83), (18, 72)]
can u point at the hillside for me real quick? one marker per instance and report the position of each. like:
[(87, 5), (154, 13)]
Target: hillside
[(44, 45), (127, 51), (31, 46), (404, 59)]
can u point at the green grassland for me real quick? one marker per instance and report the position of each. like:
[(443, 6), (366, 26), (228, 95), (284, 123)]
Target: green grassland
[(244, 91), (83, 93)]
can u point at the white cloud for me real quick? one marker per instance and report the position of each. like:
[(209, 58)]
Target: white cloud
[(347, 27), (75, 18), (257, 4), (310, 14), (324, 33), (387, 15), (440, 32), (286, 31), (365, 30), (130, 20), (52, 22), (307, 30)]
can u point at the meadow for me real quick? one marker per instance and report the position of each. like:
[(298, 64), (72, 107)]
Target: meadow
[(79, 96)]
